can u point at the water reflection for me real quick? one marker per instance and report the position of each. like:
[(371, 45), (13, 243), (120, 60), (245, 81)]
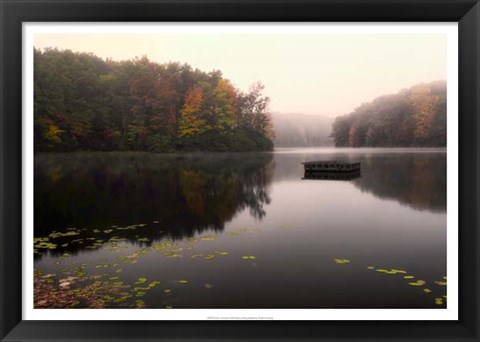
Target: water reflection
[(332, 175), (176, 196), (416, 180), (173, 196)]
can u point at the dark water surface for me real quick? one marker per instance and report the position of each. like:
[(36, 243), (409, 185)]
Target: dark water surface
[(244, 230)]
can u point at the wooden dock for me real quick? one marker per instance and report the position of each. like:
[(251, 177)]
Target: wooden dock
[(331, 169), (331, 166)]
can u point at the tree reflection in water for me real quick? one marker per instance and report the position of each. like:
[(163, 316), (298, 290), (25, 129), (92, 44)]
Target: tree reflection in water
[(176, 196), (412, 177), (417, 180)]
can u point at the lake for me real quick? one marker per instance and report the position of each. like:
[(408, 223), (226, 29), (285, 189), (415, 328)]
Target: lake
[(240, 230)]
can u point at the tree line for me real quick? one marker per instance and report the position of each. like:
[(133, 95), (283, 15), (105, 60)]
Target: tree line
[(412, 117), (82, 102)]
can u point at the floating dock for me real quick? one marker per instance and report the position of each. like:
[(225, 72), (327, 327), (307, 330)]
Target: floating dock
[(331, 169), (331, 166)]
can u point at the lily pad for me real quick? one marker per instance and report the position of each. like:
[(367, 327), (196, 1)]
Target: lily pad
[(183, 281), (398, 271), (141, 281), (342, 261), (138, 288), (417, 283), (392, 271), (408, 277)]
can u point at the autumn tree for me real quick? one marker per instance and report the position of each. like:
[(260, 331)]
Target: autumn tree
[(191, 122)]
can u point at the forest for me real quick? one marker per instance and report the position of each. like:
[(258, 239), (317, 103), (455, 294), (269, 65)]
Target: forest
[(413, 117), (85, 103)]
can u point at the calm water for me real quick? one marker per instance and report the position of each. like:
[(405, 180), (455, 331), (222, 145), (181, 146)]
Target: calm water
[(245, 230)]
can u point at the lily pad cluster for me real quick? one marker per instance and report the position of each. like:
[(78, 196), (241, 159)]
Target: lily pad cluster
[(412, 282), (100, 285), (87, 238), (42, 243)]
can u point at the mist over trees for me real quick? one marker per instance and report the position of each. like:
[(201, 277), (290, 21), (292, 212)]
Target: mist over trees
[(82, 102), (412, 117), (301, 130)]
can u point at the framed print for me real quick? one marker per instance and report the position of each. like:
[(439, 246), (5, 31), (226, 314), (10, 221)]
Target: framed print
[(239, 170)]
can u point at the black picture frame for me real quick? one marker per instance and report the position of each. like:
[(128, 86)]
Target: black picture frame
[(15, 12)]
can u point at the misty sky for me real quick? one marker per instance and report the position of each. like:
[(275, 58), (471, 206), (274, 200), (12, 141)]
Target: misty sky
[(320, 73)]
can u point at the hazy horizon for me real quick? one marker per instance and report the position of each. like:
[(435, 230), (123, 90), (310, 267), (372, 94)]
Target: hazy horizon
[(327, 74)]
